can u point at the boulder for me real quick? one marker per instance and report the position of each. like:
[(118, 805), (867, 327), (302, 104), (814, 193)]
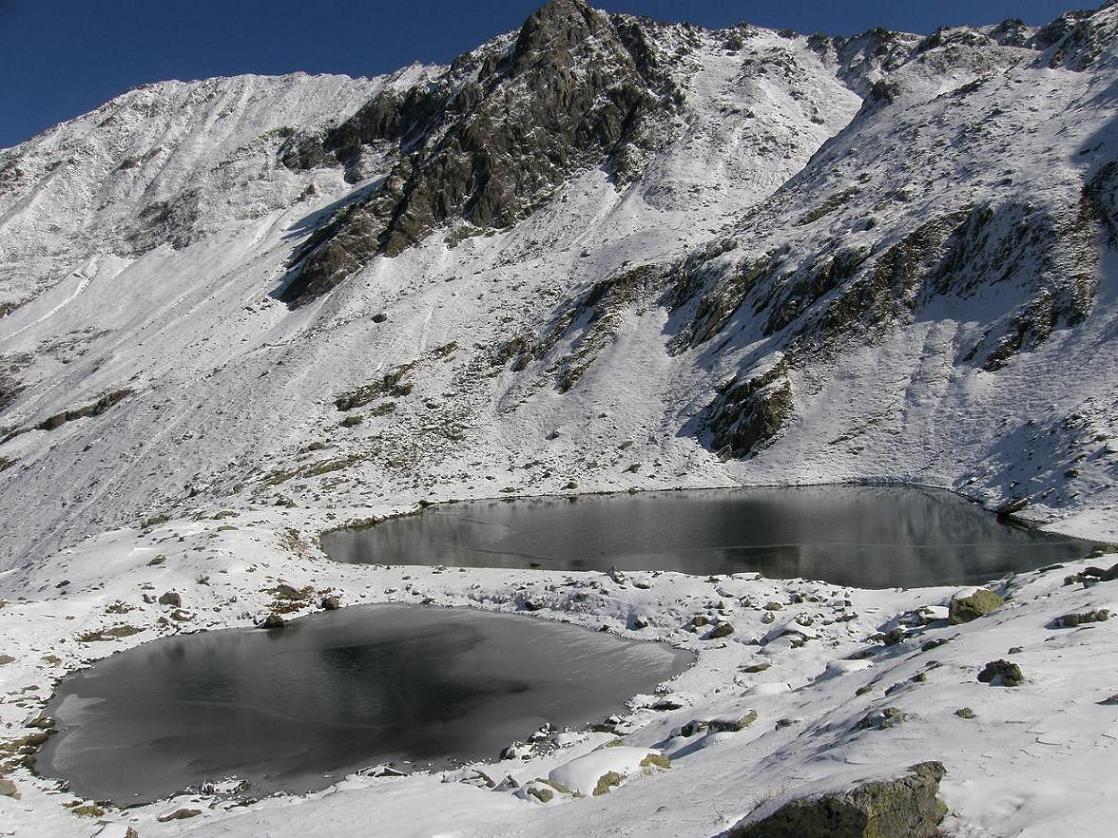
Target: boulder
[(721, 630), (732, 725), (179, 815), (171, 598), (906, 807), (972, 604), (273, 621), (1073, 620), (1001, 673), (882, 719)]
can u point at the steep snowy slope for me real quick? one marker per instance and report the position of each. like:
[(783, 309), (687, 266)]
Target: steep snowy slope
[(164, 163), (227, 385)]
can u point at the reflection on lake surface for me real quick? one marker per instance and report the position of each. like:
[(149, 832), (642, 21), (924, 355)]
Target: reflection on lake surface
[(866, 536), (333, 693)]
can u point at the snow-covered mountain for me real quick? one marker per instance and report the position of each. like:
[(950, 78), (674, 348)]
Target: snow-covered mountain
[(598, 253), (756, 256)]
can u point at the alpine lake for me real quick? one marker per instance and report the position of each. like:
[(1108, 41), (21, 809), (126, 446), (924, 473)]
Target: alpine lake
[(297, 709)]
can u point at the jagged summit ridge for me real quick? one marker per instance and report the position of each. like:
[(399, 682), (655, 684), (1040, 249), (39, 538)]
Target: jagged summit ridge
[(491, 139)]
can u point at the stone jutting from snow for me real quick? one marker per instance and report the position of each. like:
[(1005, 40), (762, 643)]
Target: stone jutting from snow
[(907, 807), (970, 605)]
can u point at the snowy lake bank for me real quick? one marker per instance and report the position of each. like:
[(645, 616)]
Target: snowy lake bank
[(297, 709), (866, 536), (813, 660)]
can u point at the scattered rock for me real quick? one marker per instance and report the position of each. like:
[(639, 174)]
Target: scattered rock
[(964, 713), (721, 630), (732, 725), (273, 621), (693, 728), (289, 593), (6, 659), (158, 560), (882, 719), (507, 784), (540, 790), (8, 788), (470, 777), (330, 603), (894, 637), (179, 815), (757, 667), (1073, 620), (517, 750), (111, 633), (1012, 506), (1093, 575), (1001, 673), (908, 806), (88, 810), (1109, 702), (970, 605), (606, 783)]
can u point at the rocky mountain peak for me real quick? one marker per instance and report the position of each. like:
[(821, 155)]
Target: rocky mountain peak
[(490, 139), (557, 27)]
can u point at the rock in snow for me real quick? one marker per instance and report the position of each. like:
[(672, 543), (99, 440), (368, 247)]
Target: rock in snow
[(598, 253), (907, 806)]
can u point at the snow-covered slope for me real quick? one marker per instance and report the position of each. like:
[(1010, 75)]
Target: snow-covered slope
[(907, 267), (599, 253)]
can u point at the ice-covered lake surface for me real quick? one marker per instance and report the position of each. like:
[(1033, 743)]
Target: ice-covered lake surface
[(864, 536), (296, 709)]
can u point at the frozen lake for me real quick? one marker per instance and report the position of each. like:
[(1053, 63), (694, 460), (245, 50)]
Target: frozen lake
[(298, 708), (864, 536)]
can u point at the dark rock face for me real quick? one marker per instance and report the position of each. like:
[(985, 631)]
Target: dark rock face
[(491, 139), (748, 415), (907, 807)]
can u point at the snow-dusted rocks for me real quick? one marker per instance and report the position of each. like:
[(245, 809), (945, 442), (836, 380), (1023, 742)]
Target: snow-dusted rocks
[(600, 771), (972, 603), (907, 806)]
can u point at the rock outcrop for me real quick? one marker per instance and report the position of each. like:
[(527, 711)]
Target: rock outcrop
[(907, 807)]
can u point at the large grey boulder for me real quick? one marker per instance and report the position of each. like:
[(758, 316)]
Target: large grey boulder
[(906, 807)]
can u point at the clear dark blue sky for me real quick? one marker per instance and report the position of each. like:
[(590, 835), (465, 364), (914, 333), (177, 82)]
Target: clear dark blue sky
[(61, 58)]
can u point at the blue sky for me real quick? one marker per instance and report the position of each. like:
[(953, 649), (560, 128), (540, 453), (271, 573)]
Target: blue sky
[(61, 58)]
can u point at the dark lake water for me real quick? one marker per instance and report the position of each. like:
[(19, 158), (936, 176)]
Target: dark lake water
[(288, 709), (866, 536)]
